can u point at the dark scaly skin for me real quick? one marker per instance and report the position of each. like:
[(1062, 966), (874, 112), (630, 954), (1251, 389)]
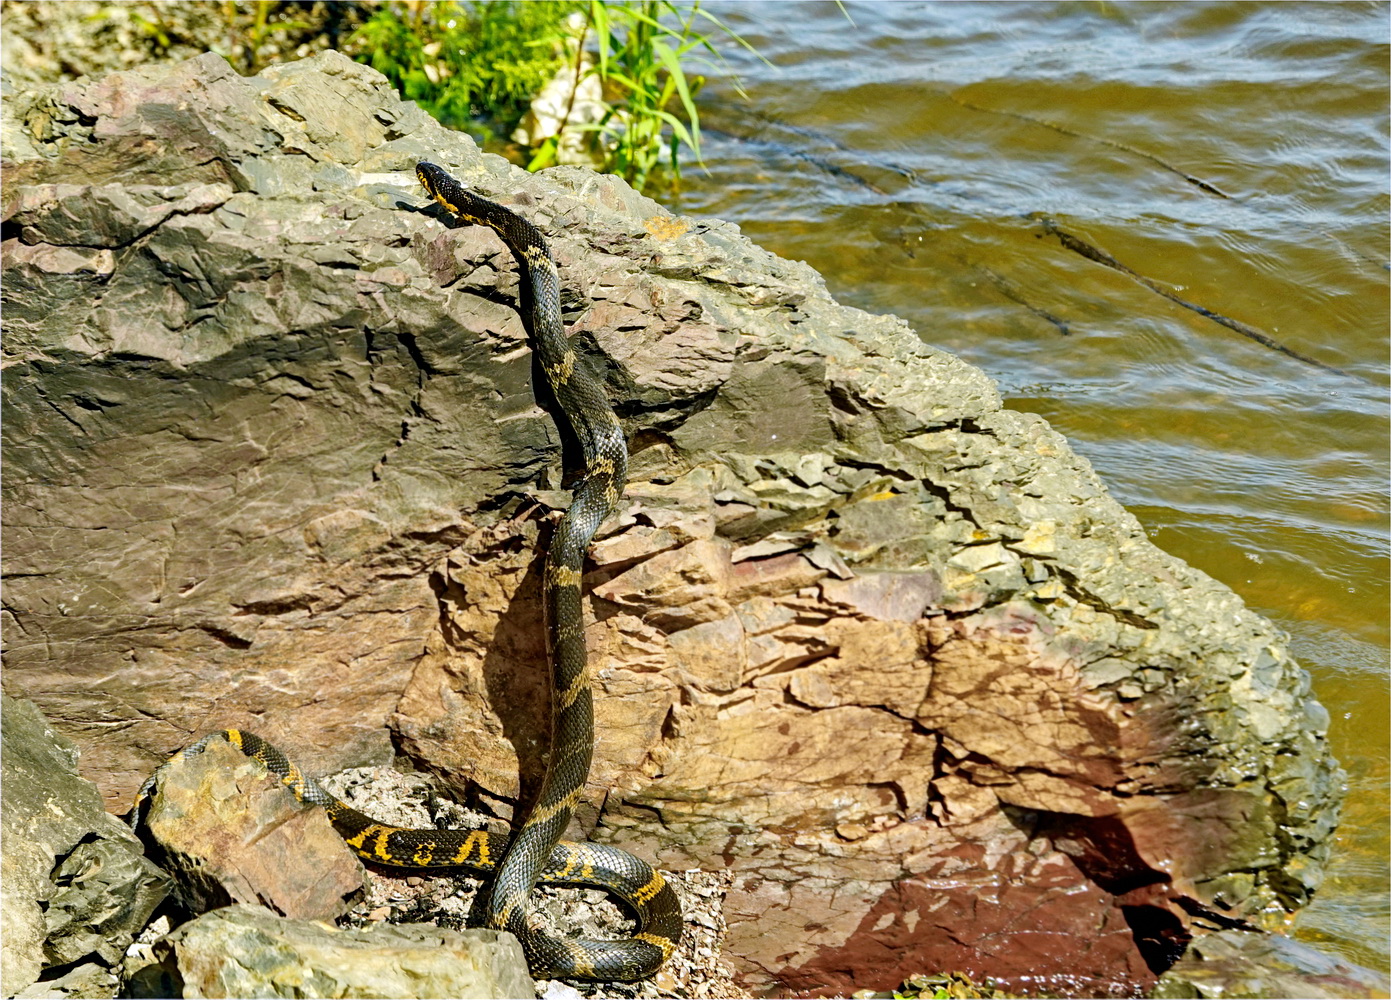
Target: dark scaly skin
[(583, 401), (585, 405), (536, 852)]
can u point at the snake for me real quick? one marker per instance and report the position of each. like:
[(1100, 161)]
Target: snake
[(535, 852)]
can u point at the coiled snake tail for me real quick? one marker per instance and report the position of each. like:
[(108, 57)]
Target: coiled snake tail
[(643, 890)]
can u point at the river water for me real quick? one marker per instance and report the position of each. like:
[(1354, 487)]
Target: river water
[(1054, 191)]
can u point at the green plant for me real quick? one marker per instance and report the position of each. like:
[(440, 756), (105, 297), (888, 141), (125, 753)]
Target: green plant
[(652, 112), (262, 29), (477, 66), (152, 28), (472, 66), (946, 986)]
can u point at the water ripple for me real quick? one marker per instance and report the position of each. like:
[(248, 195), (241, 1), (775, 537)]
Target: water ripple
[(1231, 155)]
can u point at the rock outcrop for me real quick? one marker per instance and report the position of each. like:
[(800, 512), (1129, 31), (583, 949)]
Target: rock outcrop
[(225, 826), (883, 649), (77, 885)]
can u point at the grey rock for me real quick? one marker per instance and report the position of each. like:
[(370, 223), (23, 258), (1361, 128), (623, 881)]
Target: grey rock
[(89, 979), (247, 951), (1237, 963), (77, 884), (556, 990), (106, 891)]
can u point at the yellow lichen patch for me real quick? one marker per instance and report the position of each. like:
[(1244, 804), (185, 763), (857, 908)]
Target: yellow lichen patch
[(666, 227)]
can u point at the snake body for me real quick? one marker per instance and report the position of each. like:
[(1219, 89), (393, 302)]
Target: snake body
[(535, 852)]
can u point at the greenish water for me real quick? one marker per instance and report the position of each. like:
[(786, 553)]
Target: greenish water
[(914, 158)]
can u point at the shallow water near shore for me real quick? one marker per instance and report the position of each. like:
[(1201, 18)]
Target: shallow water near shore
[(1075, 197)]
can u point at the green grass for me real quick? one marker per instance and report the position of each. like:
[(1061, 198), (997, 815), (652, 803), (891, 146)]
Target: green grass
[(476, 67), (643, 48)]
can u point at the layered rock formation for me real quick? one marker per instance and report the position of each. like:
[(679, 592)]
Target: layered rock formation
[(1236, 963), (882, 648)]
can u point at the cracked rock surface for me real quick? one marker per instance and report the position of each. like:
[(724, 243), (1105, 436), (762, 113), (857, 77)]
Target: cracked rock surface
[(886, 652)]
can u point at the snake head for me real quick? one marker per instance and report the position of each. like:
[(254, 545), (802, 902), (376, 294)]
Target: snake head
[(429, 175)]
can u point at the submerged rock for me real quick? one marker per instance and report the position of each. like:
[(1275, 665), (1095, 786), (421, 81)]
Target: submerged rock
[(1241, 964), (887, 652)]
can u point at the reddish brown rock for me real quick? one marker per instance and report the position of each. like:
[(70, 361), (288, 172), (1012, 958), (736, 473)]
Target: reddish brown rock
[(230, 832)]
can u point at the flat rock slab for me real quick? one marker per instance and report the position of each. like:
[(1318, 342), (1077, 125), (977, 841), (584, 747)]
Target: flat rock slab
[(883, 649), (247, 951)]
